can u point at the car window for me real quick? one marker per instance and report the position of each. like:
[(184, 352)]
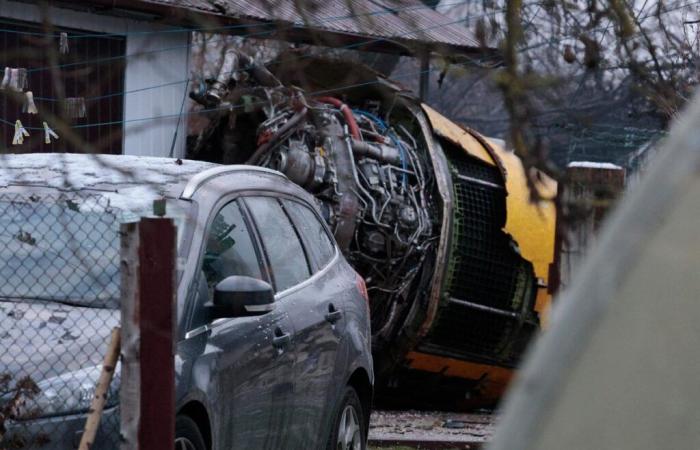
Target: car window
[(318, 243), (230, 249), (284, 251)]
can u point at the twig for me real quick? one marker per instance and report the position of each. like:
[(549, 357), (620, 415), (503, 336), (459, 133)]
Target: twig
[(98, 401)]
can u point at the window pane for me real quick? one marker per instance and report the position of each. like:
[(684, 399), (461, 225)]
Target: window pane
[(318, 243), (286, 255), (230, 250)]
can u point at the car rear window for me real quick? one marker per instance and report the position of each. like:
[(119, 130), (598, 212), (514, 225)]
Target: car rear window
[(318, 243), (282, 246)]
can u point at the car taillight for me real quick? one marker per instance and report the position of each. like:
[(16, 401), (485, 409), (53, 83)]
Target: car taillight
[(362, 288)]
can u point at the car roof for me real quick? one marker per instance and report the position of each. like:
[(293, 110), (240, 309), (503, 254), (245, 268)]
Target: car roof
[(76, 172), (125, 179)]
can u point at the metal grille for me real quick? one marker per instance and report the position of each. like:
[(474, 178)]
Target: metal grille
[(92, 70), (59, 301), (470, 167), (486, 312)]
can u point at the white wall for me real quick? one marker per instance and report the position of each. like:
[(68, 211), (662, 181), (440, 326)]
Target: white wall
[(155, 59), (165, 61)]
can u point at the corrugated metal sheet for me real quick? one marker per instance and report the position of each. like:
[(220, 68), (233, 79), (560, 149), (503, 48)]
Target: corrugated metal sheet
[(408, 21)]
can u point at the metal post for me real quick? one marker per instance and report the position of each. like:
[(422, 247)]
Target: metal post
[(148, 315)]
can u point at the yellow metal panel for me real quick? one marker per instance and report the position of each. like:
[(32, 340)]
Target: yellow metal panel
[(531, 224), (494, 380), (449, 130)]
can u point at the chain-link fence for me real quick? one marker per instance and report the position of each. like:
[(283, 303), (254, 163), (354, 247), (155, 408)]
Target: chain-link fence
[(59, 301)]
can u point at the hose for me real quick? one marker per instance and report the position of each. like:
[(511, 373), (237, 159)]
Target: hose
[(347, 114), (385, 128)]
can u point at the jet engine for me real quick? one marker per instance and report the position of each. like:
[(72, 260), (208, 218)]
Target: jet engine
[(418, 215)]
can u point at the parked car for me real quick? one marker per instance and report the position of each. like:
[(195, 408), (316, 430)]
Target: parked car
[(273, 333)]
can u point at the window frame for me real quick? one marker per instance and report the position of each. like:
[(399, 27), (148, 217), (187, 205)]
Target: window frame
[(318, 266), (257, 245), (193, 283), (277, 196), (219, 203)]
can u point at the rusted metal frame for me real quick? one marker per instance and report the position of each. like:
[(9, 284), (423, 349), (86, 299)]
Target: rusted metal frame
[(480, 307), (478, 181), (444, 186), (148, 316), (491, 151), (475, 358), (522, 317)]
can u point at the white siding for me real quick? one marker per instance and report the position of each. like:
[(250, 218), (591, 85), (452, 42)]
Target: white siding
[(157, 59), (165, 62)]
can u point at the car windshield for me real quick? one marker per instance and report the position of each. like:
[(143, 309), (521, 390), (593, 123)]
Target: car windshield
[(65, 249)]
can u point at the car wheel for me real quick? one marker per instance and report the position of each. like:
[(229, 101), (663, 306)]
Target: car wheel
[(348, 431), (187, 435)]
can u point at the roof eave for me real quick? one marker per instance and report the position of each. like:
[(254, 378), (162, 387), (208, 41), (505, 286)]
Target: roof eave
[(183, 16)]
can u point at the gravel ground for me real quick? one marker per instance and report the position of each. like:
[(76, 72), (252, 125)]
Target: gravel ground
[(421, 429)]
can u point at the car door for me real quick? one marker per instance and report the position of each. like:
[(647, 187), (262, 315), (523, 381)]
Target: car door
[(246, 359), (291, 266), (319, 321)]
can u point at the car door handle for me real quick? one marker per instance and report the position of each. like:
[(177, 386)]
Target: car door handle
[(333, 314), (280, 338)]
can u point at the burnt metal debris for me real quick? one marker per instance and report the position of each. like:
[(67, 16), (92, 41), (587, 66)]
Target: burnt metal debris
[(418, 217)]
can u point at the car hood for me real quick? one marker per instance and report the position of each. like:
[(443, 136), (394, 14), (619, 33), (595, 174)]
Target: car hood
[(42, 340)]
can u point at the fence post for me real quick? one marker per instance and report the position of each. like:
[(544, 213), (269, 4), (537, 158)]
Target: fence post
[(147, 397), (585, 198)]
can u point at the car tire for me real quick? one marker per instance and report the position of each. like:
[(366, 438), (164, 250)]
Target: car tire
[(187, 435), (348, 431)]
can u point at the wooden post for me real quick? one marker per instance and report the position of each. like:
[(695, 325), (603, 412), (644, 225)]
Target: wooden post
[(148, 316), (588, 193), (98, 401)]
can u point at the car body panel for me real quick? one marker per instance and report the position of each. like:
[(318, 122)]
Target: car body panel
[(318, 345), (531, 223), (229, 366)]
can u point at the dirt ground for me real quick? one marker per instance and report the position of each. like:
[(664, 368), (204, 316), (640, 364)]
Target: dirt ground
[(401, 430)]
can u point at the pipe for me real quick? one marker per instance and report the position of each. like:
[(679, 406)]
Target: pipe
[(347, 113), (381, 152), (291, 123), (219, 88)]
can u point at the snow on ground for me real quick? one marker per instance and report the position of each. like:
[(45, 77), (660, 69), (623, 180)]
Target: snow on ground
[(595, 165)]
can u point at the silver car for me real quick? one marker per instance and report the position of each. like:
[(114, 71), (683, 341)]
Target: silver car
[(273, 333)]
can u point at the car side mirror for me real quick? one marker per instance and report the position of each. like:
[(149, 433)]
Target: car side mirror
[(237, 296)]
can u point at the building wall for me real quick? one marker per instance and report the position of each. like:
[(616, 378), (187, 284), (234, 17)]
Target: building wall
[(153, 59)]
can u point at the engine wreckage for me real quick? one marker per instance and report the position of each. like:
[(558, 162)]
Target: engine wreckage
[(435, 217)]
